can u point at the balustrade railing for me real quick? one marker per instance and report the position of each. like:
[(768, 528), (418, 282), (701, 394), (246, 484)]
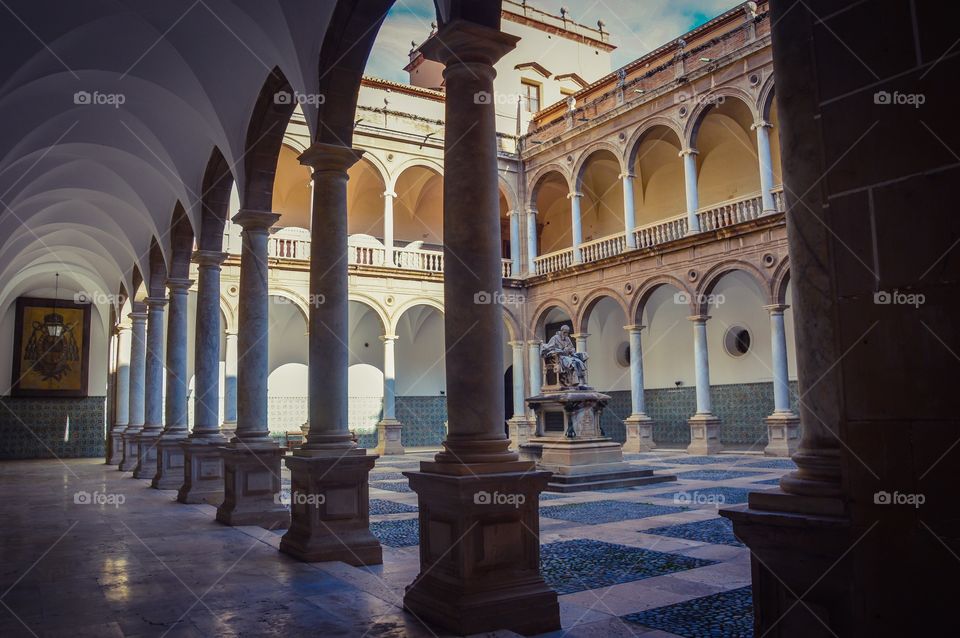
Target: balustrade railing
[(507, 268), (417, 259), (779, 203), (552, 262), (293, 243), (602, 248), (730, 212), (661, 232)]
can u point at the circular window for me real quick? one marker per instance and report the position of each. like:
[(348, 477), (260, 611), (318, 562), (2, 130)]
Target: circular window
[(623, 355), (737, 341)]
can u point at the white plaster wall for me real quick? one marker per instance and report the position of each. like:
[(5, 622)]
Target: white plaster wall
[(605, 328), (420, 353), (743, 306), (287, 345), (667, 341)]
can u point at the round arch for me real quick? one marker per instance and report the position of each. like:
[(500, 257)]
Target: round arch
[(765, 99), (583, 160), (512, 325), (537, 179), (717, 272), (590, 302), (779, 283), (650, 286), (374, 306), (633, 143), (295, 298), (229, 314), (407, 305), (543, 311), (707, 102), (413, 162)]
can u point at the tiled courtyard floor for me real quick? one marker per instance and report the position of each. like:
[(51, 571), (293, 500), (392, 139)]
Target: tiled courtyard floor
[(654, 561)]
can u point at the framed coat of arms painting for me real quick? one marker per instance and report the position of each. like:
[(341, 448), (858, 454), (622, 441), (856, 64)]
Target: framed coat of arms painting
[(51, 348)]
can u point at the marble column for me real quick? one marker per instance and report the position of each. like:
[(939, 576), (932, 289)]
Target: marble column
[(689, 156), (629, 211), (576, 225), (329, 509), (121, 394), (229, 427), (515, 242), (783, 426), (531, 241), (479, 559), (389, 428), (520, 426), (581, 340), (388, 199), (202, 479), (169, 474), (153, 391), (251, 460), (138, 344), (536, 366), (704, 425), (639, 426), (766, 166)]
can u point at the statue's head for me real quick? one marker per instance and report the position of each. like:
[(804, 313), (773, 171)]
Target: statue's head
[(565, 329)]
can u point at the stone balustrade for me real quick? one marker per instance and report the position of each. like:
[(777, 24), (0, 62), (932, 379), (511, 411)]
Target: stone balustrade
[(602, 248), (552, 262)]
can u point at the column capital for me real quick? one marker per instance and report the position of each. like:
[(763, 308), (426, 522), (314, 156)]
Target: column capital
[(574, 195), (627, 175), (386, 338), (156, 303), (760, 124), (138, 316), (776, 308), (532, 210), (517, 345), (516, 212), (535, 342), (251, 219), (209, 257), (122, 327), (179, 284), (330, 157), (580, 335), (388, 193), (699, 318), (230, 333), (465, 42), (688, 151), (634, 327)]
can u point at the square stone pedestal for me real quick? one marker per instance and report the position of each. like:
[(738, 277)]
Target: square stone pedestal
[(131, 451), (146, 456), (704, 435), (639, 430), (251, 487), (330, 509), (581, 464), (783, 434), (480, 551), (388, 437), (116, 446), (202, 472), (520, 429), (170, 461)]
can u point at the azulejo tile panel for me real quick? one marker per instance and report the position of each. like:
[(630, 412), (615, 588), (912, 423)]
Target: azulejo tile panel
[(582, 564), (36, 428), (727, 614)]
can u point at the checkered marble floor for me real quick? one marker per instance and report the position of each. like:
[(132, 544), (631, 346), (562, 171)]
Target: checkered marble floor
[(653, 561)]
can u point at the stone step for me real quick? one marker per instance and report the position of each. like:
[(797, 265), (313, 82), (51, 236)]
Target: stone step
[(566, 484)]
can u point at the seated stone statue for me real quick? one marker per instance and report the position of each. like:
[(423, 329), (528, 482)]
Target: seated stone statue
[(573, 366)]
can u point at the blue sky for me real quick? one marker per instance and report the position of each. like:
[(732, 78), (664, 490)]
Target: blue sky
[(636, 26)]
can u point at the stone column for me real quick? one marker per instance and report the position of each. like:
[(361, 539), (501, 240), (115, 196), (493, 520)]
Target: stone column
[(388, 197), (515, 242), (122, 394), (531, 241), (576, 225), (203, 463), (536, 366), (251, 460), (629, 211), (389, 428), (521, 427), (639, 426), (153, 391), (480, 556), (783, 426), (229, 427), (689, 156), (766, 166), (138, 344), (169, 474), (581, 340), (704, 426), (329, 491)]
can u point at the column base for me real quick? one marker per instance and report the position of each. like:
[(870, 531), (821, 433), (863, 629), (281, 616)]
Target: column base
[(116, 446), (251, 487), (704, 435), (330, 509), (389, 437), (130, 451), (146, 456), (783, 434), (202, 472), (480, 553), (169, 475), (228, 430), (639, 429), (521, 430)]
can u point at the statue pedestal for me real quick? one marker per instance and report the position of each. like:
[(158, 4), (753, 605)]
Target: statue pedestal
[(389, 433), (571, 444), (783, 434)]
